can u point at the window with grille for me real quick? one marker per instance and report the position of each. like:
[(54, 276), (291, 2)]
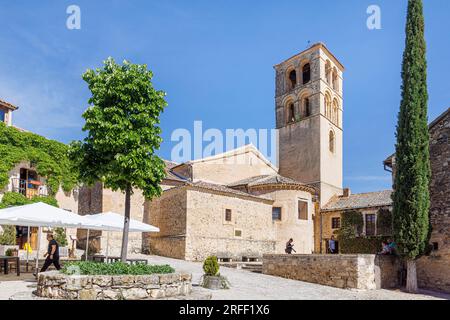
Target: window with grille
[(276, 213), (302, 210), (228, 215), (370, 224), (335, 223)]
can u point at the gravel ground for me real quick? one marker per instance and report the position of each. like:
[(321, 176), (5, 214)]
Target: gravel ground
[(247, 285)]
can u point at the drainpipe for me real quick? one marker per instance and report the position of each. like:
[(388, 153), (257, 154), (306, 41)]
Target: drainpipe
[(321, 232)]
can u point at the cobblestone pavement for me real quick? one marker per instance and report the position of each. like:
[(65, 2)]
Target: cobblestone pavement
[(247, 285), (255, 286)]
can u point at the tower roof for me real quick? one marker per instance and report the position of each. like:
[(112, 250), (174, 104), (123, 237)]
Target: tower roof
[(319, 45)]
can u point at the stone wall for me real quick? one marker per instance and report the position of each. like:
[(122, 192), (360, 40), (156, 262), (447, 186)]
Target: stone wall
[(208, 233), (290, 226), (387, 270), (168, 213), (56, 285), (433, 272), (341, 271)]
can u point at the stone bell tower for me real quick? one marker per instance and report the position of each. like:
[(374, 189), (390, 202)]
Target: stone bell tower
[(309, 108)]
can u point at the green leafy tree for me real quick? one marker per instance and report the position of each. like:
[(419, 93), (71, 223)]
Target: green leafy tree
[(123, 133), (411, 196)]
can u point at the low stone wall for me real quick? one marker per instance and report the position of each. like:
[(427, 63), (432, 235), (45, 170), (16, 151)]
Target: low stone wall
[(341, 271), (387, 269), (56, 285)]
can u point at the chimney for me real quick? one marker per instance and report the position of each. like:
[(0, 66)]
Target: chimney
[(347, 192)]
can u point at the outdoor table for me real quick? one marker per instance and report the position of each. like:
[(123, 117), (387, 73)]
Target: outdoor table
[(5, 263)]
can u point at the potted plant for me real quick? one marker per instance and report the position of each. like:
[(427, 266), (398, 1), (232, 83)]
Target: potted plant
[(8, 239), (212, 278)]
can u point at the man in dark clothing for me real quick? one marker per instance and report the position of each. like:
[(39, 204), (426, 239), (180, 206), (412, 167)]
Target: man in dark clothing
[(289, 246), (52, 255)]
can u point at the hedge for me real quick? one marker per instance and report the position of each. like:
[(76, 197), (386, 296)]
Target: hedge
[(362, 245), (116, 268)]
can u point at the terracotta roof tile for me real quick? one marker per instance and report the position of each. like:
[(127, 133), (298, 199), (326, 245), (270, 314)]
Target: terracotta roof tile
[(225, 189), (360, 200)]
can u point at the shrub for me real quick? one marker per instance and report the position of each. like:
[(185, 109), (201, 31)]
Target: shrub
[(362, 245), (117, 268), (211, 266), (9, 252), (8, 237)]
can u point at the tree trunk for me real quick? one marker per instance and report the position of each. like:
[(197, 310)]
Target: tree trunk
[(411, 276), (126, 226)]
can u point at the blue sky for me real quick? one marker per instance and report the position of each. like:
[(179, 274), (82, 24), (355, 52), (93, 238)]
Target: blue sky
[(214, 59)]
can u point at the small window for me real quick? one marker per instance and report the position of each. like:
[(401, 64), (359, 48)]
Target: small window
[(328, 71), (276, 213), (331, 141), (302, 210), (238, 233), (306, 107), (291, 113), (2, 116), (335, 223), (228, 215), (435, 246), (335, 80), (306, 73), (370, 224), (293, 78)]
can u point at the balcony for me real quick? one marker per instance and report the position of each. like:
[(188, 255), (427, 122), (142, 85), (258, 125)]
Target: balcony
[(29, 188)]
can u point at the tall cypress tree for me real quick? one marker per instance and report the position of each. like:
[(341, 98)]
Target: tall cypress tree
[(411, 194)]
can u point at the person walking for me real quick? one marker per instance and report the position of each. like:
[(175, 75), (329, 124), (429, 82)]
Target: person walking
[(289, 246), (52, 254)]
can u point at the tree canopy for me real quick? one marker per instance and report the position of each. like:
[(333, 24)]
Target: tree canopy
[(123, 133), (411, 186)]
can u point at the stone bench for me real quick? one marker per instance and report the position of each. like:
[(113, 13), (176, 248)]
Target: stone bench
[(251, 258)]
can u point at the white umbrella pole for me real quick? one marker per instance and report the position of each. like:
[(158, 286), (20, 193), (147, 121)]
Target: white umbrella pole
[(27, 246), (37, 249), (87, 246), (107, 245)]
